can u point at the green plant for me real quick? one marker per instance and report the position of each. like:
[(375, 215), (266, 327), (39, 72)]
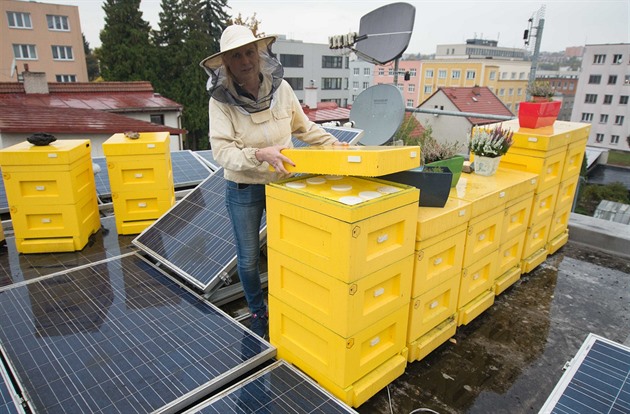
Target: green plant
[(433, 150), (541, 89), (490, 142), (592, 194)]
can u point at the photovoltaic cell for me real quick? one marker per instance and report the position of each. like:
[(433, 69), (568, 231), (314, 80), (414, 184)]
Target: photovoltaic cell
[(206, 156), (597, 381), (343, 134), (9, 402), (277, 389), (194, 238), (120, 336), (187, 169), (101, 178)]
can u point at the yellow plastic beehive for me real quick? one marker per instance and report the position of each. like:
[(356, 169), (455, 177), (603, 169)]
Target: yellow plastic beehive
[(483, 235), (423, 346), (438, 259), (516, 217), (540, 139), (548, 165), (536, 236), (319, 229), (544, 204), (147, 143), (484, 193), (323, 354), (142, 204), (573, 159), (557, 242), (506, 280), (475, 307), (132, 173), (344, 308), (559, 221), (60, 152), (365, 161), (434, 221), (432, 308), (566, 192), (477, 278), (510, 254)]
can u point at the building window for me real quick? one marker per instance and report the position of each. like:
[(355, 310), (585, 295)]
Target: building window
[(411, 87), (571, 86), (521, 75), (66, 78), (400, 87), (410, 102), (599, 138), (603, 118), (366, 85), (587, 117), (381, 71), (623, 100), (590, 98), (612, 79), (617, 59), (456, 74), (412, 72), (442, 74), (614, 139), (62, 53), (519, 92), (25, 52), (493, 75), (428, 73), (504, 75), (470, 74), (331, 83), (58, 22), (292, 61), (355, 85), (619, 120), (296, 83), (332, 62), (595, 79), (356, 71), (347, 65), (607, 99), (501, 92), (428, 89), (19, 20), (157, 119), (511, 92), (366, 71), (599, 59), (513, 75)]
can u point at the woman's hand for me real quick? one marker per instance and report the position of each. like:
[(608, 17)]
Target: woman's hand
[(274, 157), (338, 143)]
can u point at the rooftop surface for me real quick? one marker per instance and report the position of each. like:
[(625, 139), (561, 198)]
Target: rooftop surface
[(507, 360)]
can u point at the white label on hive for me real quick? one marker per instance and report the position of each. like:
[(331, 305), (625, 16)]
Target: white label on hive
[(142, 205), (354, 158), (462, 213), (482, 236), (40, 188), (375, 341), (434, 304), (52, 155), (378, 292), (502, 194), (532, 139), (138, 175), (150, 145), (412, 154), (382, 238), (46, 220), (476, 276), (437, 261)]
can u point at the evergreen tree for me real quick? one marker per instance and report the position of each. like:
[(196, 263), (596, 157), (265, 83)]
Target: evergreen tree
[(125, 53), (90, 61)]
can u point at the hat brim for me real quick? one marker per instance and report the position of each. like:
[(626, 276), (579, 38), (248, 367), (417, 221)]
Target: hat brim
[(215, 61)]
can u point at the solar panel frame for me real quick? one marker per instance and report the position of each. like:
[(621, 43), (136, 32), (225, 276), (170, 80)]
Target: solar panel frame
[(9, 399), (344, 134), (154, 345), (207, 157), (188, 170), (202, 252), (4, 201), (278, 388), (597, 380)]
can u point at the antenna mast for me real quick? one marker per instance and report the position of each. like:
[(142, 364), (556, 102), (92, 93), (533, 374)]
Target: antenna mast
[(535, 31)]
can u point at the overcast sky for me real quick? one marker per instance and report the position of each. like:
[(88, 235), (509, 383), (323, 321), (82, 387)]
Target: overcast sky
[(567, 23)]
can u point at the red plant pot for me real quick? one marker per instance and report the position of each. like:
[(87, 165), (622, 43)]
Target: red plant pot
[(538, 114)]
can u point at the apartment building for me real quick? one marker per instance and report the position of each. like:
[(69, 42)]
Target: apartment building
[(41, 37), (314, 65), (361, 77), (564, 84), (408, 79), (602, 94)]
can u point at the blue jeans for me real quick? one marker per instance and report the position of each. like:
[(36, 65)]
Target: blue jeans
[(246, 205)]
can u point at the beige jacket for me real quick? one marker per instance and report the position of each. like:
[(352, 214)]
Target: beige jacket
[(235, 135)]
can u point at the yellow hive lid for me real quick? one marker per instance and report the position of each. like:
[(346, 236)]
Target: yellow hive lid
[(60, 152), (365, 161), (347, 198), (485, 193), (434, 220), (145, 143)]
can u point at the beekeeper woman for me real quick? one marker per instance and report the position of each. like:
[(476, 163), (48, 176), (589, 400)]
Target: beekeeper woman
[(253, 114)]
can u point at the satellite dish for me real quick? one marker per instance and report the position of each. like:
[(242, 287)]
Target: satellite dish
[(384, 33), (379, 111)]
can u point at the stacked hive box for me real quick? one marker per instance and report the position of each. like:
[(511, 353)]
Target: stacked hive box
[(340, 259), (51, 194), (555, 153), (141, 179), (440, 243)]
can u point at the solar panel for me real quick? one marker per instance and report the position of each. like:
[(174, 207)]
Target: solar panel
[(9, 400), (279, 388), (206, 156), (4, 202), (597, 381), (101, 178), (120, 336), (343, 134), (187, 169), (194, 238)]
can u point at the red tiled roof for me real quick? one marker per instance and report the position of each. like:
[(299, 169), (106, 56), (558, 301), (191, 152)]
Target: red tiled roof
[(418, 129), (479, 99), (327, 115), (19, 118)]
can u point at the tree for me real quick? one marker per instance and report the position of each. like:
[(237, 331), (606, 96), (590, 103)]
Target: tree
[(592, 194), (90, 61), (126, 53)]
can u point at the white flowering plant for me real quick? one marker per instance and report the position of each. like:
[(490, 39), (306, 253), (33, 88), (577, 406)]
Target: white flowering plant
[(490, 142)]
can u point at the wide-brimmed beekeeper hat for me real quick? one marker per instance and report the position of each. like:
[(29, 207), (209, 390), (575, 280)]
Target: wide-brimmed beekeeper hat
[(232, 38)]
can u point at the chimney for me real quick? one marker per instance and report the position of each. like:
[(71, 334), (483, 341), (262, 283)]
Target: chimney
[(310, 95), (35, 82)]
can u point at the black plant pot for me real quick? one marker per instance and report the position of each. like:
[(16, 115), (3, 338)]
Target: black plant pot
[(434, 184)]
